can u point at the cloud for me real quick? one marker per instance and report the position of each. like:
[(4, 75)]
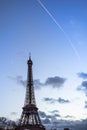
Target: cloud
[(50, 116), (18, 80), (68, 116), (83, 87), (85, 104), (81, 125), (13, 113), (55, 81), (51, 122), (54, 111), (59, 100), (50, 100), (61, 124), (82, 75), (57, 115), (42, 114), (84, 84), (46, 121), (37, 84)]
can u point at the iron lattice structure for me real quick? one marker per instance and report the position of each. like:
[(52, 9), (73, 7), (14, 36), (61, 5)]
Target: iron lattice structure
[(30, 118)]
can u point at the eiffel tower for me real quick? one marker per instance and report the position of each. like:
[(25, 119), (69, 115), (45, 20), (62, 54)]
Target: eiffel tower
[(30, 119)]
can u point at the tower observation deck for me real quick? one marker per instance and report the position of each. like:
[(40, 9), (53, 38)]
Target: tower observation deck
[(30, 119)]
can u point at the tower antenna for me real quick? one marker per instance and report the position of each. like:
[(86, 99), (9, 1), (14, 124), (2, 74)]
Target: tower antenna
[(29, 55)]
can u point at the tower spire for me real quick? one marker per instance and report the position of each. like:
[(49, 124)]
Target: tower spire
[(29, 55)]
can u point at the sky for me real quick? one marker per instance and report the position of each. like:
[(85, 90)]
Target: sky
[(54, 32)]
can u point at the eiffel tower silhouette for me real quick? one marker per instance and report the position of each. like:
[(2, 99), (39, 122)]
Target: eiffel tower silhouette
[(30, 119)]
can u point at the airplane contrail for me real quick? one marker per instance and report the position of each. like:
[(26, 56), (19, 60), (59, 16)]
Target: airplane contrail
[(60, 27)]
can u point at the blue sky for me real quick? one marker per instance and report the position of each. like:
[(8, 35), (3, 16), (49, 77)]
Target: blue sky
[(54, 32)]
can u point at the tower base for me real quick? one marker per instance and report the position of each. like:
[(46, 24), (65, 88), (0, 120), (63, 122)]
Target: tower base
[(30, 127)]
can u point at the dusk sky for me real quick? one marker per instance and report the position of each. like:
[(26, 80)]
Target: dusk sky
[(55, 32)]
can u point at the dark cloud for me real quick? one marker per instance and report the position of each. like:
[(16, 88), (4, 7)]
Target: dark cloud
[(51, 122), (85, 104), (50, 100), (55, 81), (82, 75), (59, 100), (42, 114), (84, 84), (81, 125), (54, 111), (83, 87), (46, 121), (50, 117), (57, 115), (45, 118), (72, 125), (68, 116)]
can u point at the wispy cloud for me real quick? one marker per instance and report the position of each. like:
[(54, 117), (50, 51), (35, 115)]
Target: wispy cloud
[(68, 116), (13, 113), (82, 75), (37, 84), (59, 100), (18, 79), (54, 111)]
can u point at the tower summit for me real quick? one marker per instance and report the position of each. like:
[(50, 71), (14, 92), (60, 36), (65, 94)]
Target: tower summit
[(30, 119), (30, 97)]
